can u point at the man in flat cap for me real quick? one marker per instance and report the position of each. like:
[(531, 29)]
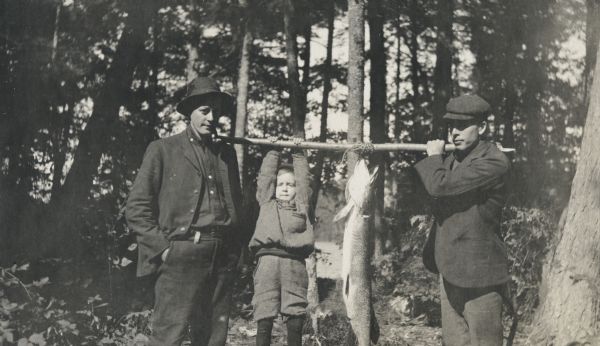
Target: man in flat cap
[(184, 209), (464, 246)]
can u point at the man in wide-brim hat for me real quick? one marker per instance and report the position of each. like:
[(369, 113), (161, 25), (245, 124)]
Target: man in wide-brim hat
[(184, 209), (464, 245)]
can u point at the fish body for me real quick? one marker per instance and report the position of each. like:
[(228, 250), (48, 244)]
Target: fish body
[(356, 253)]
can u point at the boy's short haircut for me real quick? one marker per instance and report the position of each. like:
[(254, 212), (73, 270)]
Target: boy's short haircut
[(285, 168)]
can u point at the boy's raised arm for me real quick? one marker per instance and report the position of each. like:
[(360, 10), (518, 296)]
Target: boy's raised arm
[(304, 178), (267, 177)]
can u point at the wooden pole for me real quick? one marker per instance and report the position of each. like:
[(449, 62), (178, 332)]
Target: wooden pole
[(336, 146)]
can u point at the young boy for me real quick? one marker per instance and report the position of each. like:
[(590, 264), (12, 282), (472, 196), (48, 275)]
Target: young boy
[(282, 240)]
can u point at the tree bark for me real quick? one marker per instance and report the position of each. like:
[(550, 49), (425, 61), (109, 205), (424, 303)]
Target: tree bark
[(535, 82), (356, 74), (570, 305), (320, 157), (297, 94), (397, 80), (442, 74), (592, 35), (243, 83), (64, 207), (377, 119)]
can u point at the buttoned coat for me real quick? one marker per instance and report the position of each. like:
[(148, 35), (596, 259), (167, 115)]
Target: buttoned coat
[(464, 244), (166, 191)]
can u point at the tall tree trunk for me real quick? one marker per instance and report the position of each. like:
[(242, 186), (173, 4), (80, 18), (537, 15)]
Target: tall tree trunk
[(242, 92), (297, 94), (64, 208), (18, 126), (570, 303), (442, 74), (592, 35), (318, 169), (356, 75), (307, 34), (413, 45), (535, 81), (377, 119), (397, 80)]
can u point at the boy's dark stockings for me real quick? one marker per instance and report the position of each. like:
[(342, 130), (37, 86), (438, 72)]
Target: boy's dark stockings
[(294, 331), (263, 333)]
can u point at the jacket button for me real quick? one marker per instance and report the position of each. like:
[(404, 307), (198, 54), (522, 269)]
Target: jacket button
[(209, 176), (212, 192), (182, 229)]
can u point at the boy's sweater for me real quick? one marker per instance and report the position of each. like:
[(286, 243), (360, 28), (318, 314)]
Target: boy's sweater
[(284, 228)]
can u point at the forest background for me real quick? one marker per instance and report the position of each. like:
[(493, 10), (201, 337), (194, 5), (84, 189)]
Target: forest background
[(86, 85)]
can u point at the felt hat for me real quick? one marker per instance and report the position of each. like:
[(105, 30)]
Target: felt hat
[(198, 91), (467, 107)]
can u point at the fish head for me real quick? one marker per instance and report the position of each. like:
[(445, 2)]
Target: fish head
[(359, 188)]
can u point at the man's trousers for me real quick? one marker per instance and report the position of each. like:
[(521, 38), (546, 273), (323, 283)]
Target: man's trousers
[(194, 286), (471, 316)]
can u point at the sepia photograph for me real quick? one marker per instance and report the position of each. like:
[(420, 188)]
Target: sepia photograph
[(299, 172)]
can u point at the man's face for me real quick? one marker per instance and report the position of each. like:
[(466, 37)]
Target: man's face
[(465, 133), (285, 189), (203, 117)]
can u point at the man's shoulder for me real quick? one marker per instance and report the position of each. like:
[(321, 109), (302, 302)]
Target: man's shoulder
[(490, 151), (170, 140)]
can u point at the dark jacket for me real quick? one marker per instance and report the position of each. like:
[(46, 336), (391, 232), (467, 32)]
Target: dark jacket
[(464, 244), (291, 230), (164, 196)]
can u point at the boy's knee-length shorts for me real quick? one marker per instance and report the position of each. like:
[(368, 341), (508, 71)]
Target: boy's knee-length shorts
[(280, 286)]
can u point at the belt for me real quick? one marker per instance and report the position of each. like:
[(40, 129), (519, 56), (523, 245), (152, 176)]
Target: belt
[(208, 233)]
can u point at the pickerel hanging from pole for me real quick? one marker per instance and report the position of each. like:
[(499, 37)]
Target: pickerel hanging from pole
[(357, 252)]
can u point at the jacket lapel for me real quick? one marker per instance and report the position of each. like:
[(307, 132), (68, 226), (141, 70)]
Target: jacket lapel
[(224, 171), (189, 153)]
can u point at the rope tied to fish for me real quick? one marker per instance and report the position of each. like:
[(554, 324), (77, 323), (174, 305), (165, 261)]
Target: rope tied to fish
[(363, 149)]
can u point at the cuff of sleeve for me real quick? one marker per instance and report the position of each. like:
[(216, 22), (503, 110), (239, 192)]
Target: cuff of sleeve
[(157, 257)]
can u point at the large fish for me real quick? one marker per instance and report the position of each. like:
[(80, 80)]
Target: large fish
[(357, 252)]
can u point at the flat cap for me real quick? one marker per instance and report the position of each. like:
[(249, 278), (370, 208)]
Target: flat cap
[(467, 107)]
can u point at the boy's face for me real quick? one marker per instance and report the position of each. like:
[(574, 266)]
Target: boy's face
[(285, 189)]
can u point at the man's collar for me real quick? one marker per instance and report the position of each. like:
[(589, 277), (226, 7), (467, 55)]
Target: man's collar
[(194, 136), (471, 152)]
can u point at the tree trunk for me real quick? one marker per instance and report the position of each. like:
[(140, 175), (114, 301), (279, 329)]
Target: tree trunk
[(377, 119), (320, 157), (592, 35), (535, 82), (297, 94), (242, 95), (397, 80), (442, 74), (356, 74), (570, 305), (413, 45), (64, 207)]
